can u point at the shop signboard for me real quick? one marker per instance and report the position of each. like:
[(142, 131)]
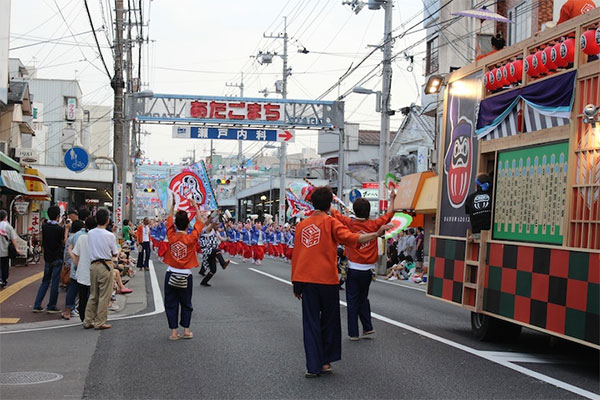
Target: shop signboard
[(21, 207)]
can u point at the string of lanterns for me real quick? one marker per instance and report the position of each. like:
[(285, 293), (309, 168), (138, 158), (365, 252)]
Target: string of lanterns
[(545, 60)]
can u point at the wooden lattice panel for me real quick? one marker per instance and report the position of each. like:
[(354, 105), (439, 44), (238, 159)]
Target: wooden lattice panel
[(584, 228)]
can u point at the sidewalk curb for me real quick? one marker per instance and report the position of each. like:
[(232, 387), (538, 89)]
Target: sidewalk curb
[(129, 304)]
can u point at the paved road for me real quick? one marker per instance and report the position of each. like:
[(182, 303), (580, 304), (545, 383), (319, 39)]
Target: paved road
[(248, 344)]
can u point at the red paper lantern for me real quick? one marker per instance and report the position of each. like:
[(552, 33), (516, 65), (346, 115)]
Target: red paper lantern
[(505, 80), (555, 56), (492, 79), (547, 59), (567, 51), (537, 62), (516, 71), (486, 84), (499, 80), (529, 67), (589, 42)]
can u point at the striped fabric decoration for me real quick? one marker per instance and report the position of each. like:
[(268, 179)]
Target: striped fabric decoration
[(535, 120), (508, 127)]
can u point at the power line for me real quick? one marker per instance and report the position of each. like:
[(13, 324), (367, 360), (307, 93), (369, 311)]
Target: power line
[(96, 39)]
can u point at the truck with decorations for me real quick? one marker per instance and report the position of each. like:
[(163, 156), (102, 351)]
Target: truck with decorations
[(526, 115)]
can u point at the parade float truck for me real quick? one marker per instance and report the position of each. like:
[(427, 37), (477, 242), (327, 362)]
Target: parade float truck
[(528, 116)]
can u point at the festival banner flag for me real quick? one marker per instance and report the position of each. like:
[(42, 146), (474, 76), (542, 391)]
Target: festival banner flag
[(191, 182), (297, 206)]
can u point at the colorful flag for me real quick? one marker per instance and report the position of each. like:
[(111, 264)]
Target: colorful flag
[(191, 183)]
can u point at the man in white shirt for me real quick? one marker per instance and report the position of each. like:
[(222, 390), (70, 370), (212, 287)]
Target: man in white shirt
[(81, 258), (102, 247)]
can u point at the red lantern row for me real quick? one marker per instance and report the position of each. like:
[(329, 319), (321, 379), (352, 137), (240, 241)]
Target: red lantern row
[(542, 61), (503, 76)]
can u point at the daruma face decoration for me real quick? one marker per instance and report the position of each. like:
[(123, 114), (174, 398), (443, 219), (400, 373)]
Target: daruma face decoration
[(186, 186), (457, 163)]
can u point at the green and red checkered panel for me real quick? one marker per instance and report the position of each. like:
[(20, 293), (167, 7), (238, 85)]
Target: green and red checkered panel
[(446, 269), (558, 290)]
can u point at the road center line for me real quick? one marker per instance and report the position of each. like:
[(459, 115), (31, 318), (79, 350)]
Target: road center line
[(490, 356)]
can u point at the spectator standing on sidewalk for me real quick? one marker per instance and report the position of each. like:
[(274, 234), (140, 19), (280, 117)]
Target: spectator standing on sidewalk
[(81, 260), (102, 247), (181, 258), (53, 236), (73, 289), (8, 236), (361, 264), (315, 280), (143, 238)]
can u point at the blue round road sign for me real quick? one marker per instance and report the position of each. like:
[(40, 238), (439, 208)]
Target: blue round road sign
[(354, 194), (77, 159)]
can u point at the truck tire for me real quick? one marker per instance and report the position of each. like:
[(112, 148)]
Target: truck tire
[(486, 328)]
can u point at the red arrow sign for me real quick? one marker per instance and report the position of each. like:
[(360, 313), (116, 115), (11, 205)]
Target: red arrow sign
[(285, 135)]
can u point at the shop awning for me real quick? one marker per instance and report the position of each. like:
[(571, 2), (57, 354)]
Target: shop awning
[(36, 184), (9, 162), (428, 199), (409, 188), (12, 180), (31, 185)]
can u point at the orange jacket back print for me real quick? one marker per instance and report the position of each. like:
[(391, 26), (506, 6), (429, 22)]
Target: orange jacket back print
[(181, 251)]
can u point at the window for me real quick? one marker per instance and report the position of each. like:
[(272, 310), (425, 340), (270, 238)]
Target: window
[(521, 28), (432, 63)]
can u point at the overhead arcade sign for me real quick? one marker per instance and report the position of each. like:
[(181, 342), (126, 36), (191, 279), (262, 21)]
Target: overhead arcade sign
[(233, 112)]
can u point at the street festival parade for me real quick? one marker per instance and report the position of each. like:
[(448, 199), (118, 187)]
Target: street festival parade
[(299, 199)]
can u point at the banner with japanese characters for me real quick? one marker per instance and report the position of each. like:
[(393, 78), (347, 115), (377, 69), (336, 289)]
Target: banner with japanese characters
[(236, 112), (192, 182)]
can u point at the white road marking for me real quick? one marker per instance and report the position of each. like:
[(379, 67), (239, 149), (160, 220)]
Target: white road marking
[(159, 307), (490, 356), (528, 358), (400, 284), (233, 262)]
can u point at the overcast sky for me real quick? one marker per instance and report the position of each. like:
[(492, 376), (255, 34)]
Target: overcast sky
[(197, 46)]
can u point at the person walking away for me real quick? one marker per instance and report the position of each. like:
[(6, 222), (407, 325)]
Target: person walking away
[(315, 281), (181, 258), (479, 207), (126, 234), (362, 262), (53, 244), (8, 236), (143, 238), (81, 261), (73, 289), (209, 243), (102, 247)]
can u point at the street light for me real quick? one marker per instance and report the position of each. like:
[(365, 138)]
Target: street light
[(362, 90), (434, 84)]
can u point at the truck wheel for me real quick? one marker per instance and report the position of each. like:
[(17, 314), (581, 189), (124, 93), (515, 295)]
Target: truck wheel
[(486, 328)]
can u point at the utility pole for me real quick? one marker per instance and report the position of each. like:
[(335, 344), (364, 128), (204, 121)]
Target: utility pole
[(127, 128), (117, 85), (282, 161), (385, 103), (210, 174), (240, 149)]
